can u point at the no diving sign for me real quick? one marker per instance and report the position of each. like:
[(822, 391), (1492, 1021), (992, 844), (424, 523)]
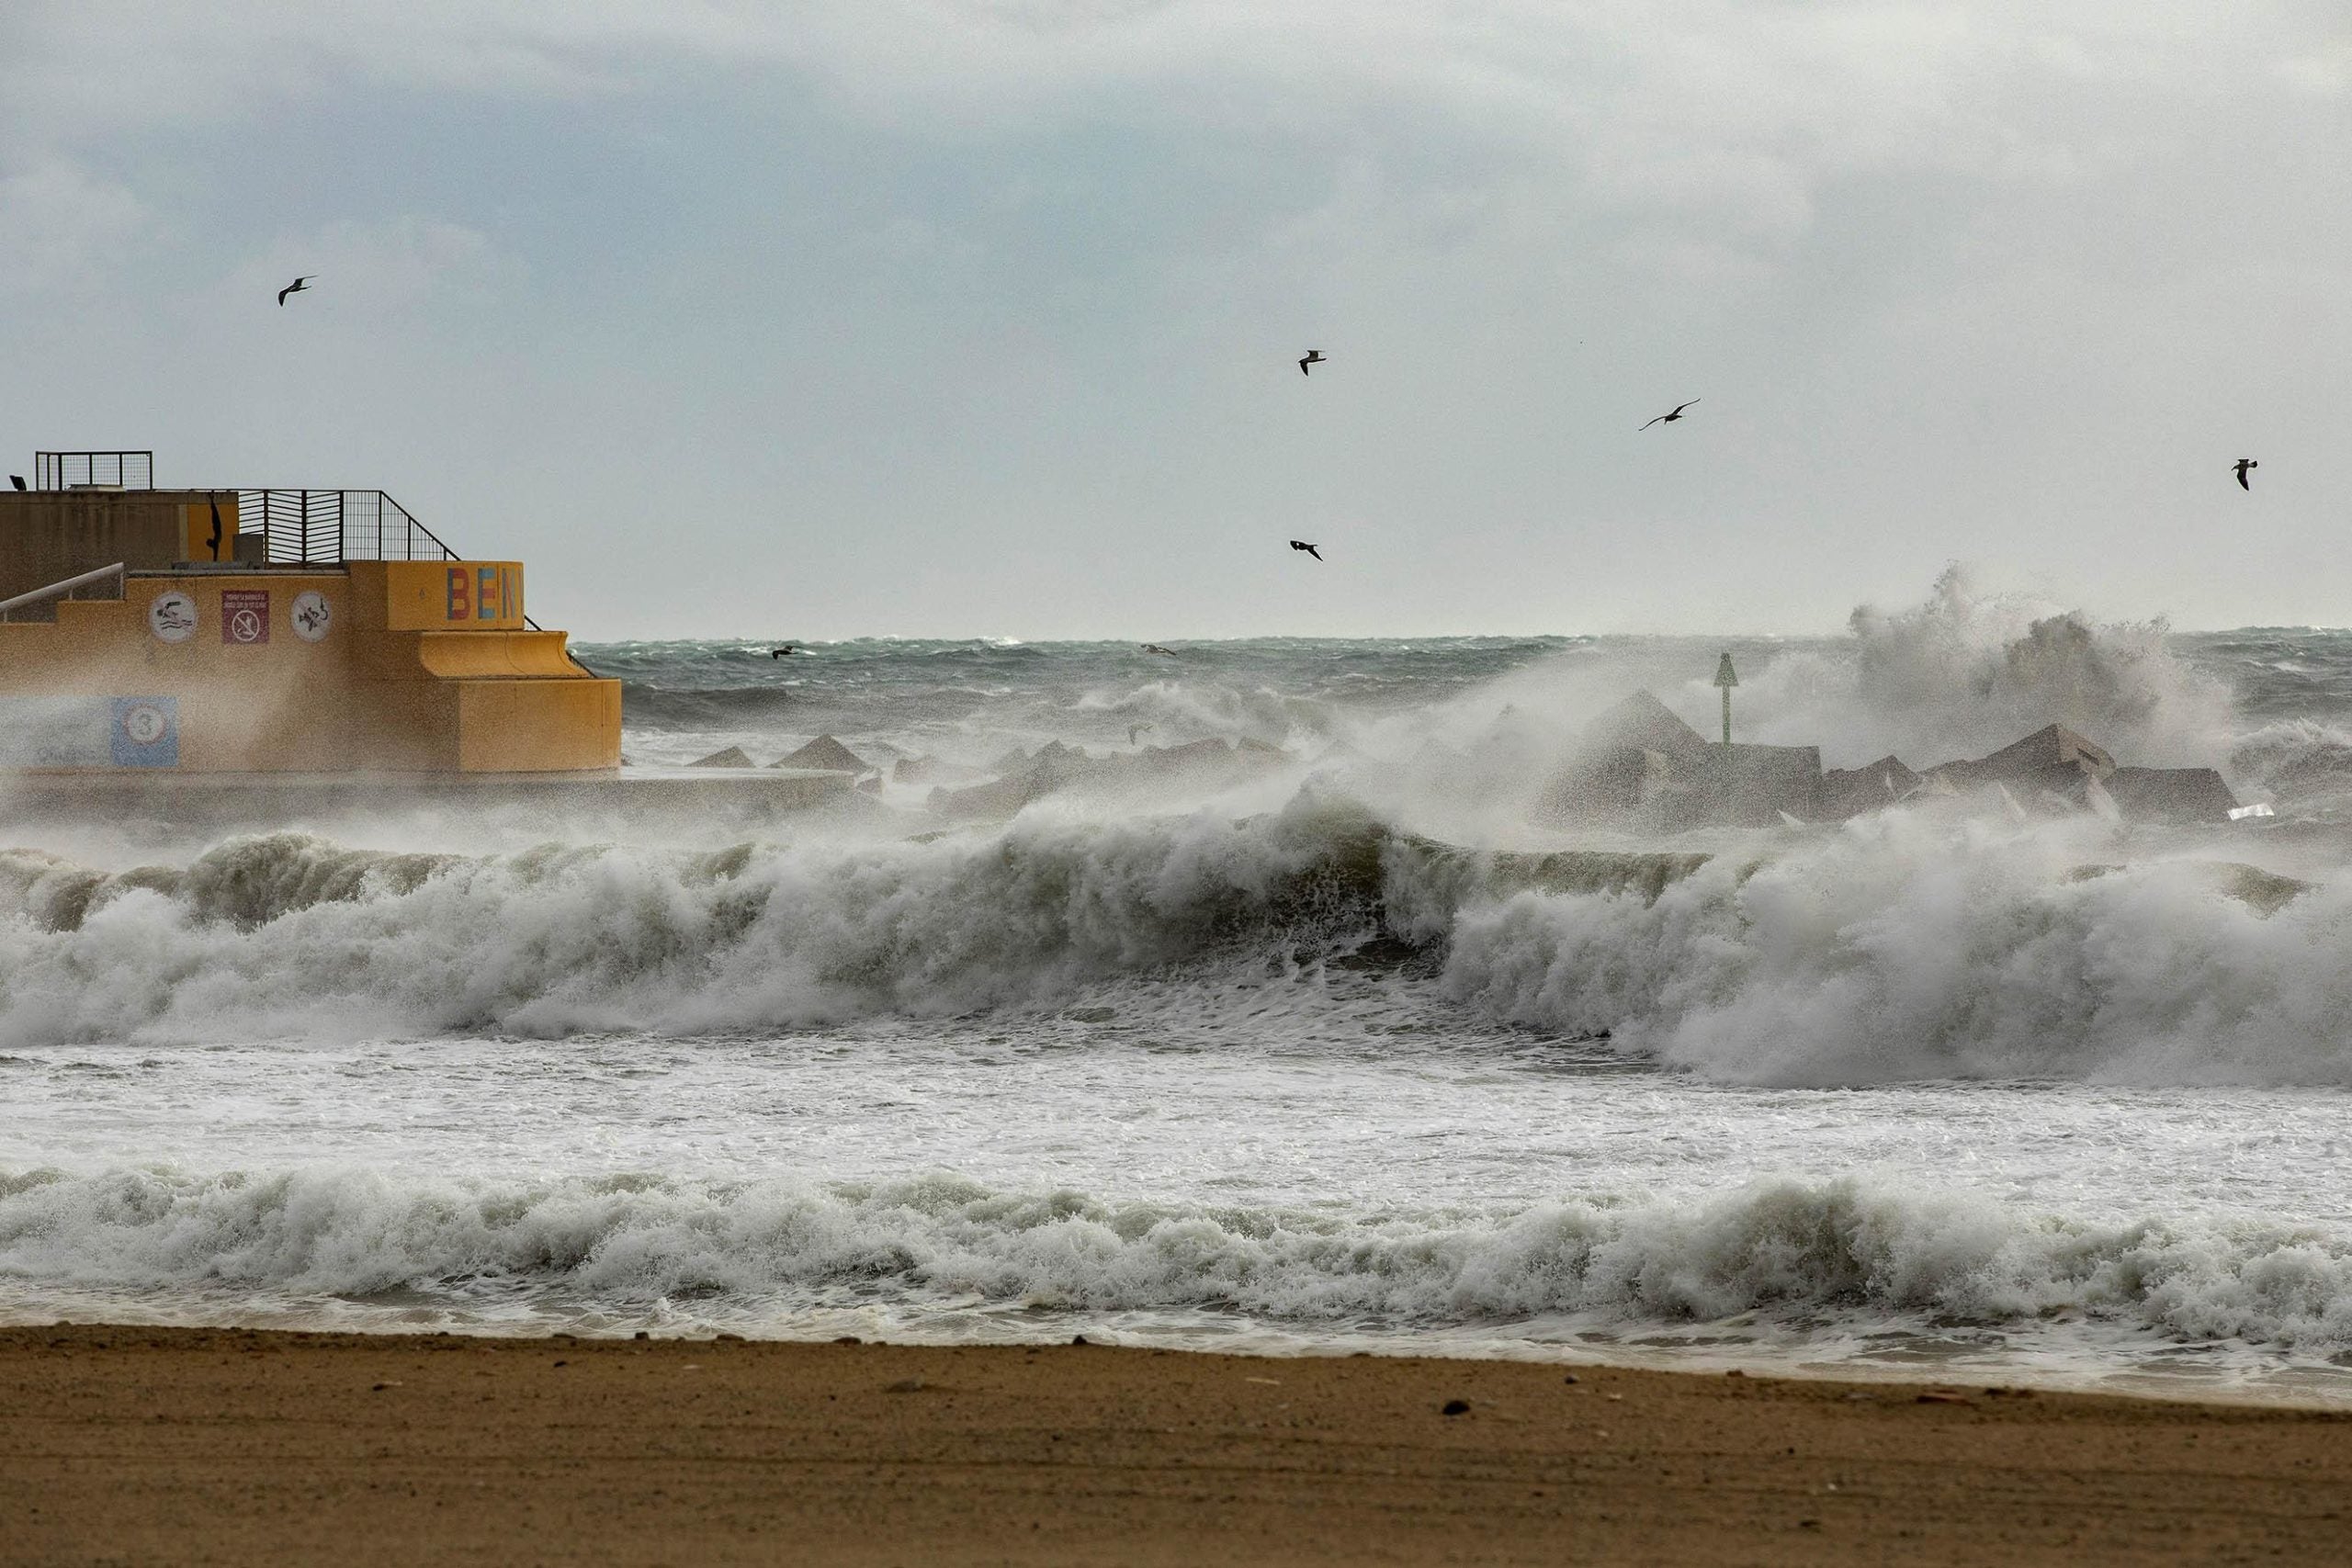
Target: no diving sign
[(244, 616)]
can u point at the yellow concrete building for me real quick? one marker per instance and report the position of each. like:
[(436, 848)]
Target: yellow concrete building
[(271, 631)]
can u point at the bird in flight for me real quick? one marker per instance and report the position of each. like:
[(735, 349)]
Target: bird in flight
[(1314, 356), (2244, 464), (1670, 418), (1310, 550), (298, 286)]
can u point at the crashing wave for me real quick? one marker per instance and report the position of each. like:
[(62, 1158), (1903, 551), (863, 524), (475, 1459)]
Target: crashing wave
[(1813, 1253), (1906, 945)]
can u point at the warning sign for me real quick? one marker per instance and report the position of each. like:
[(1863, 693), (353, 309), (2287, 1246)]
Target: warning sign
[(313, 614), (244, 615)]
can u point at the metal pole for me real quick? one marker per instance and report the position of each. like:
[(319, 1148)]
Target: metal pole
[(54, 589), (1725, 679)]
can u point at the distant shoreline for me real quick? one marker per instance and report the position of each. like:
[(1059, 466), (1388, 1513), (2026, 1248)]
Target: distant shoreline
[(229, 1446)]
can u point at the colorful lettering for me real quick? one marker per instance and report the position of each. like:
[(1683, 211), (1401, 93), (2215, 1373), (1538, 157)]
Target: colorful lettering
[(461, 606), (486, 606)]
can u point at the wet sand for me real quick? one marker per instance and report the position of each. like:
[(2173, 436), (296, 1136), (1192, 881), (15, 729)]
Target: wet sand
[(133, 1444)]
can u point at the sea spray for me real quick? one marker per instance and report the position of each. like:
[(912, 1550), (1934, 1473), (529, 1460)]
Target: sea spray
[(1912, 946), (1968, 671)]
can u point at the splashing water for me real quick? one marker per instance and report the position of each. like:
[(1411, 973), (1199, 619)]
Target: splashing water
[(1352, 1046)]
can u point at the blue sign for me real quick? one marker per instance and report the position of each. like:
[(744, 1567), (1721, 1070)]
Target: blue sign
[(145, 732)]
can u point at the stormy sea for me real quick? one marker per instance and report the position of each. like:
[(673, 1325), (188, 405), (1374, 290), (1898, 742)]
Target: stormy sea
[(1262, 995)]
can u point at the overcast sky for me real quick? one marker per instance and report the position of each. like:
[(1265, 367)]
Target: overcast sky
[(947, 318)]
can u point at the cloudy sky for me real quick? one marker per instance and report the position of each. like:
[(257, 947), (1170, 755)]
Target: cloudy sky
[(979, 317)]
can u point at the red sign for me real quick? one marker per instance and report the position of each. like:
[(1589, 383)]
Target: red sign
[(244, 616)]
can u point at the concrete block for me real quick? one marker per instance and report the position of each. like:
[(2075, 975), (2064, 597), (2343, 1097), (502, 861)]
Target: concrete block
[(1644, 723), (1745, 786), (2169, 794), (1850, 791), (2047, 754), (1623, 759), (825, 755), (933, 771), (1608, 783), (992, 801)]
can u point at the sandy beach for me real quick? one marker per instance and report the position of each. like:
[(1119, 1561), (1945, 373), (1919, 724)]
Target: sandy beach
[(138, 1445)]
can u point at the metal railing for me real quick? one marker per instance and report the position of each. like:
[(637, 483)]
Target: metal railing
[(299, 527), (323, 528), (47, 598), (118, 470), (327, 527)]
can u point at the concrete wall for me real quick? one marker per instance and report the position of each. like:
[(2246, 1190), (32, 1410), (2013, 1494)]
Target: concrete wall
[(303, 670), (49, 535)]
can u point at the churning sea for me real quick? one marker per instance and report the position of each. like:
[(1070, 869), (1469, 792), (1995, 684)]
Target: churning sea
[(1308, 1061)]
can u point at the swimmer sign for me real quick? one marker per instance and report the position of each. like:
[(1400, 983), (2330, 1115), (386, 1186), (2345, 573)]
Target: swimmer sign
[(172, 617)]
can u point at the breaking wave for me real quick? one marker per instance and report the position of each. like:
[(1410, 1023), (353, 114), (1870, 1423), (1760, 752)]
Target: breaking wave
[(1904, 948), (2301, 760), (1810, 1253), (1907, 945)]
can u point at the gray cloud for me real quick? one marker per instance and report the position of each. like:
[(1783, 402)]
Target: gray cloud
[(978, 318)]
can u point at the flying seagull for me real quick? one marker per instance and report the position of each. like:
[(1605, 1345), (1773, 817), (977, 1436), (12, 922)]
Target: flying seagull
[(2244, 464), (1314, 356), (1670, 418), (298, 286), (1310, 550)]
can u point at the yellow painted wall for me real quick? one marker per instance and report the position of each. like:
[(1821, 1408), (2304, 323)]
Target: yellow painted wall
[(479, 595), (251, 694), (506, 727), (196, 521), (455, 655)]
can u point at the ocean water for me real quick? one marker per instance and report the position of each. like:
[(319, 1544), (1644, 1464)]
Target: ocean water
[(1361, 1052)]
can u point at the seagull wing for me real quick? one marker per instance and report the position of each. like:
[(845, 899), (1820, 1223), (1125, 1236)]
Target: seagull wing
[(284, 292), (1315, 553), (1679, 407), (2242, 484), (1302, 366), (1653, 422)]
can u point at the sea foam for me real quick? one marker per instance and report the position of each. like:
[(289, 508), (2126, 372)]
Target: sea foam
[(1811, 1254)]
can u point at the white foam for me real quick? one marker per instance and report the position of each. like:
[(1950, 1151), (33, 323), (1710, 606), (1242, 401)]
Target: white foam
[(1817, 1257), (1908, 946), (1904, 945), (290, 935)]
